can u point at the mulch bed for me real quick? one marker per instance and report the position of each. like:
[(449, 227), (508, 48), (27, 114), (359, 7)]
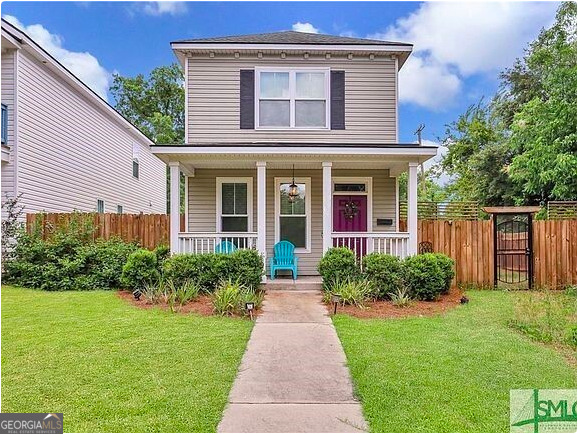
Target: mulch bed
[(386, 309), (202, 305)]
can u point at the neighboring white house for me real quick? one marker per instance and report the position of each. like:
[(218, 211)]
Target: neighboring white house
[(63, 147), (293, 136)]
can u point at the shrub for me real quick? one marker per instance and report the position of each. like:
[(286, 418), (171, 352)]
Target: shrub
[(246, 266), (227, 298), (353, 291), (230, 297), (401, 297), (384, 271), (67, 261), (140, 269), (103, 263), (423, 277), (151, 292), (186, 292), (447, 266), (338, 264), (162, 253), (207, 270), (197, 268)]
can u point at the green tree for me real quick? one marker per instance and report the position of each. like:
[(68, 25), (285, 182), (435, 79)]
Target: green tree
[(521, 148), (428, 188), (156, 105), (543, 130), (478, 158)]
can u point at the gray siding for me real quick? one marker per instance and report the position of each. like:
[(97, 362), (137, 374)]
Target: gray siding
[(8, 98), (213, 99), (71, 152), (202, 204)]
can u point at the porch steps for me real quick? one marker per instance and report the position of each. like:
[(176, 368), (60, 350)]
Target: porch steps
[(304, 283)]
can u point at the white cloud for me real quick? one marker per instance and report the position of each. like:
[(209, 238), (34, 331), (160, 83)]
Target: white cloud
[(84, 65), (163, 7), (457, 40), (349, 34), (305, 27), (427, 83)]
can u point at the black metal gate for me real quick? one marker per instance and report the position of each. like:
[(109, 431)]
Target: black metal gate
[(513, 250)]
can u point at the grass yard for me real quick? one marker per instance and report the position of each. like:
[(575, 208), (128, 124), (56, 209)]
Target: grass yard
[(451, 372), (547, 316), (109, 366)]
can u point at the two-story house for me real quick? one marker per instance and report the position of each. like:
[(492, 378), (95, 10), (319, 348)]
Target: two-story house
[(293, 136), (64, 148)]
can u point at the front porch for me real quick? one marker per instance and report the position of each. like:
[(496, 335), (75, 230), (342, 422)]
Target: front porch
[(346, 197)]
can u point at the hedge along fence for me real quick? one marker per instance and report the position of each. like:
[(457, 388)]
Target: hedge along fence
[(149, 230), (471, 245)]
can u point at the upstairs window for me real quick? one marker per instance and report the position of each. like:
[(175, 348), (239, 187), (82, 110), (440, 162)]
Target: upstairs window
[(135, 161), (295, 98), (4, 124)]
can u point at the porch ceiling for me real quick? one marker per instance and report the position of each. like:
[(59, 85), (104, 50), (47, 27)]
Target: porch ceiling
[(393, 157)]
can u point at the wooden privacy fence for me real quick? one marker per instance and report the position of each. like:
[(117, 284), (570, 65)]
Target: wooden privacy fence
[(554, 248), (149, 230), (471, 245)]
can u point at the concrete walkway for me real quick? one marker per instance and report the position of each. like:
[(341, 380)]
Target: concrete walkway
[(293, 376)]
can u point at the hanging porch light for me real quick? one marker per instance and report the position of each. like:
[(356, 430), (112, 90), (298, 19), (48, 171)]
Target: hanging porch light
[(293, 189)]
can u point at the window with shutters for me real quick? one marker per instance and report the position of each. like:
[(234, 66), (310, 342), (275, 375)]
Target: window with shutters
[(292, 98), (234, 204)]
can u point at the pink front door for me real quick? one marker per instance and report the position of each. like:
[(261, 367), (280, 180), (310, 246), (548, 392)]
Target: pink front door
[(350, 215)]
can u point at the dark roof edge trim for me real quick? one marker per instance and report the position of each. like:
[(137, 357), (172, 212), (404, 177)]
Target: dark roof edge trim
[(300, 145)]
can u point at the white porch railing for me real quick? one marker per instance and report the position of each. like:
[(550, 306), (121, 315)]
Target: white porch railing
[(205, 242), (362, 243)]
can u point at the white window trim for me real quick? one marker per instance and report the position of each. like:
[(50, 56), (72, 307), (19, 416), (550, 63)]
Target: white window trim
[(292, 97), (368, 181), (307, 182), (237, 180), (136, 149)]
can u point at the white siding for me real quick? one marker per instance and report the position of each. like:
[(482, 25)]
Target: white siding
[(71, 153), (213, 99), (8, 98), (202, 204)]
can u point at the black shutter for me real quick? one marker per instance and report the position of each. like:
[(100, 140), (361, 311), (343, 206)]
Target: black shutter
[(247, 101), (337, 100)]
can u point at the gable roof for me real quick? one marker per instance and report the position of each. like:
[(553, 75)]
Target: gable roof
[(291, 37), (19, 39), (291, 42)]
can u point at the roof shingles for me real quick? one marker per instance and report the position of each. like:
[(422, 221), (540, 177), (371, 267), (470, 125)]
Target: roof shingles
[(289, 37)]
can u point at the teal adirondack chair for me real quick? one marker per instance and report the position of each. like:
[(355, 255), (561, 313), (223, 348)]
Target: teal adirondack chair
[(225, 247), (284, 258)]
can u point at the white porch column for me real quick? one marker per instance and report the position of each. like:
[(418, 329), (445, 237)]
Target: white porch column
[(261, 209), (412, 208), (327, 206), (175, 199)]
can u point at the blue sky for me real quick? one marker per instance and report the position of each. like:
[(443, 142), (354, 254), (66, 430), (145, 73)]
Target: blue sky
[(459, 48)]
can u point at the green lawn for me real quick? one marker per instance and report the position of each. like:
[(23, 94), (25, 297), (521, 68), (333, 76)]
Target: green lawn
[(109, 366), (451, 372)]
